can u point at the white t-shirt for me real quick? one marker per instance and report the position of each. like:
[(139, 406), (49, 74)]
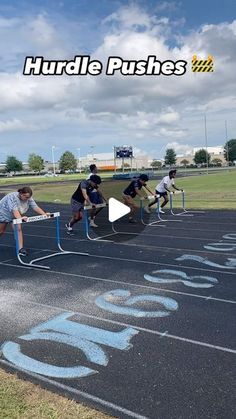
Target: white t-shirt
[(165, 181), (88, 178)]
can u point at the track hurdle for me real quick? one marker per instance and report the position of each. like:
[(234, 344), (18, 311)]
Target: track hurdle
[(160, 219), (184, 212), (32, 264), (87, 224), (153, 223)]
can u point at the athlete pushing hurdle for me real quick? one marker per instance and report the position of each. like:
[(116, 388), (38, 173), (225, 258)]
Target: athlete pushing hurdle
[(162, 190), (131, 191), (80, 198), (15, 205), (96, 197)]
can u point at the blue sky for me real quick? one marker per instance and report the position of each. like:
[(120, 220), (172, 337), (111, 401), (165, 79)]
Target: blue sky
[(150, 113)]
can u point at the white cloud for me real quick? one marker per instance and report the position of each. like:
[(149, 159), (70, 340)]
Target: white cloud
[(173, 133), (180, 149), (130, 17), (169, 117), (103, 109), (17, 125)]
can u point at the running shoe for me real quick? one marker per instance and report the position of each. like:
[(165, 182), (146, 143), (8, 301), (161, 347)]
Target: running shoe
[(161, 211), (23, 252), (147, 210), (92, 224), (69, 228)]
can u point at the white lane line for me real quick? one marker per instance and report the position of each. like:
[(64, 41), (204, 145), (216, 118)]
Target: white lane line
[(168, 227), (142, 233), (125, 283), (143, 329), (142, 245), (134, 261), (79, 393)]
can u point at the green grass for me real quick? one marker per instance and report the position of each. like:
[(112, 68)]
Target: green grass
[(24, 400), (213, 191), (28, 180)]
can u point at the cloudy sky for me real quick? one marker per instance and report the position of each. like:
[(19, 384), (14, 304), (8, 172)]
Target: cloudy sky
[(148, 112)]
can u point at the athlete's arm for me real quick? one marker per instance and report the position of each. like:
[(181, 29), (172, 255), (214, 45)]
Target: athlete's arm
[(149, 190), (165, 186), (101, 195), (138, 192), (39, 211), (177, 189), (86, 197), (17, 214)]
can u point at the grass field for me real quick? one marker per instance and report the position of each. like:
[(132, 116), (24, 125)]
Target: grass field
[(212, 191), (23, 400), (35, 179)]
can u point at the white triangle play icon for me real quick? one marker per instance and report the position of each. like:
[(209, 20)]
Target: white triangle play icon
[(116, 210)]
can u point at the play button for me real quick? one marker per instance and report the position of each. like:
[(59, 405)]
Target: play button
[(116, 210)]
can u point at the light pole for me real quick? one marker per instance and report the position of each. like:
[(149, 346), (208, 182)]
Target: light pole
[(79, 165), (206, 142), (53, 160), (92, 151), (227, 144)]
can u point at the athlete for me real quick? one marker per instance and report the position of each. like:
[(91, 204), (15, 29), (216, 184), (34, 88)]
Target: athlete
[(163, 188), (15, 205), (96, 197), (80, 198), (131, 191)]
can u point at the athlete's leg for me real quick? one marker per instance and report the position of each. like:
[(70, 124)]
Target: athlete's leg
[(128, 200), (77, 214), (166, 200), (3, 227)]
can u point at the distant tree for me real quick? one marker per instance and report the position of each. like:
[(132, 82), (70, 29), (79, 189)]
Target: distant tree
[(67, 161), (184, 162), (155, 164), (13, 165), (230, 150), (170, 157), (201, 156), (216, 162), (35, 162)]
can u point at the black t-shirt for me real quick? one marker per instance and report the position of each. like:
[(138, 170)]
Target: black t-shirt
[(130, 190), (78, 195)]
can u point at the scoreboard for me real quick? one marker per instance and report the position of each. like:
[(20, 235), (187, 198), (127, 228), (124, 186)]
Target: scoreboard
[(124, 152)]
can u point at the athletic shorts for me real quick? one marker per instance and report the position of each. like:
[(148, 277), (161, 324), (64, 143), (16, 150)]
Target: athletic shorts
[(162, 194), (76, 206), (2, 221), (95, 198)]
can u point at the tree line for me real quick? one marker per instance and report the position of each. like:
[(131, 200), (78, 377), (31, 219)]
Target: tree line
[(36, 163), (200, 157), (69, 162)]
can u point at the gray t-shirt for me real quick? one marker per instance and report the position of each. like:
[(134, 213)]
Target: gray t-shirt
[(12, 202)]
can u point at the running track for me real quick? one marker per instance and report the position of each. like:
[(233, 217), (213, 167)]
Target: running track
[(143, 327)]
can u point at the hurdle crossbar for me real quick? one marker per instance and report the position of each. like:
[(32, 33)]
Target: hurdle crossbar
[(32, 263)]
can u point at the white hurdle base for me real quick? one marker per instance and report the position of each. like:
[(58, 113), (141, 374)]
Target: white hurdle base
[(184, 212), (87, 226), (32, 263)]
